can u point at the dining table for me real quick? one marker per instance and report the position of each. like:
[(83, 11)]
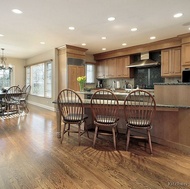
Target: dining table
[(2, 102)]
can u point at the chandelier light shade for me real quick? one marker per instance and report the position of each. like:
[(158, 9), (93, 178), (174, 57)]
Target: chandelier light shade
[(3, 64)]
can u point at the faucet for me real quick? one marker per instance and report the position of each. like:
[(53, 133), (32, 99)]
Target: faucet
[(113, 86), (130, 86)]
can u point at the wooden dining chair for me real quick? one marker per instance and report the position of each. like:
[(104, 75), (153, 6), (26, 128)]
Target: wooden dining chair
[(72, 112), (23, 100), (104, 106), (12, 99), (139, 111)]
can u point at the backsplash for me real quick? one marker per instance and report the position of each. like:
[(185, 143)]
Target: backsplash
[(146, 77)]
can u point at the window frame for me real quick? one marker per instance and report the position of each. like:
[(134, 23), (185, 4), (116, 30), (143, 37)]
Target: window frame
[(93, 77), (29, 79)]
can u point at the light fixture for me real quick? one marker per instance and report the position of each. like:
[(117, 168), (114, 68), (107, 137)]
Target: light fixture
[(124, 44), (111, 19), (17, 11), (71, 28), (103, 37), (83, 44), (178, 15), (153, 37), (3, 64), (133, 29)]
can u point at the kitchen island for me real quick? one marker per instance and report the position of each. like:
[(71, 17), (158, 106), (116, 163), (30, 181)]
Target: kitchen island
[(170, 126)]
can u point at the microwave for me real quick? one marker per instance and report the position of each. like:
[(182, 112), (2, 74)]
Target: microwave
[(186, 76)]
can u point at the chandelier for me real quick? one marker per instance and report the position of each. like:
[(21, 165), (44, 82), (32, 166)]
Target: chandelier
[(3, 64)]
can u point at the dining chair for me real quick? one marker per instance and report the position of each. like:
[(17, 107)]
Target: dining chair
[(12, 99), (104, 106), (71, 110), (23, 100), (139, 111)]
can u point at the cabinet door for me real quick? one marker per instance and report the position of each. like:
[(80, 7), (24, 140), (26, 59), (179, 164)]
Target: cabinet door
[(186, 55), (121, 69), (73, 73), (176, 62), (100, 69), (165, 62), (111, 67), (171, 62)]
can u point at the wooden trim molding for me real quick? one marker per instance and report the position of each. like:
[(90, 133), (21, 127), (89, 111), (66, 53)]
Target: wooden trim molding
[(158, 45)]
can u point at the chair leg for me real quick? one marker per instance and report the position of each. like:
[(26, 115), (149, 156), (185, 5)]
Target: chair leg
[(95, 135), (86, 129), (128, 138), (64, 126), (149, 141), (69, 129), (79, 133), (114, 137)]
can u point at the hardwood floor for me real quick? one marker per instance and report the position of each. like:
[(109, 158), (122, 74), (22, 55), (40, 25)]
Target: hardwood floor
[(31, 157)]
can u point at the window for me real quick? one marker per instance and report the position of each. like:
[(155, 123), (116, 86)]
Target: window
[(5, 78), (90, 69), (39, 76)]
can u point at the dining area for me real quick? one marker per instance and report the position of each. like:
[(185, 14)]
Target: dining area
[(13, 101)]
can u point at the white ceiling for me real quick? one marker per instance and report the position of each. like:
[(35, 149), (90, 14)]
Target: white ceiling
[(48, 21)]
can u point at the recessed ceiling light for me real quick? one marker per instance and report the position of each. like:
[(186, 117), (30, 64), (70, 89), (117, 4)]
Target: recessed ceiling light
[(189, 28), (153, 37), (111, 19), (133, 29), (17, 11), (124, 44), (103, 37), (104, 49), (83, 44), (178, 15), (71, 28), (42, 43), (1, 35)]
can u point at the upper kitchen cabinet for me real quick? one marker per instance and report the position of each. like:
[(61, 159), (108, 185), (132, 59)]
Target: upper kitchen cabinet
[(186, 56), (111, 68), (101, 70), (171, 62), (114, 68), (122, 71)]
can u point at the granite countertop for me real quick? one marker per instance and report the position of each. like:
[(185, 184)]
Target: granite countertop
[(87, 102), (117, 92), (172, 83)]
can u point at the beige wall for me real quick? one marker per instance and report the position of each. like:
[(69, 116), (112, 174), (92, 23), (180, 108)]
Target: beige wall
[(18, 70), (41, 101)]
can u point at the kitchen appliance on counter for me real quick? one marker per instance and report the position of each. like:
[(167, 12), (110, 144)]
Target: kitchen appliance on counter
[(186, 76), (100, 83), (118, 85)]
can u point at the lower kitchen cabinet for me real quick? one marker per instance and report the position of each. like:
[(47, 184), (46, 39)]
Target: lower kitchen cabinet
[(74, 72)]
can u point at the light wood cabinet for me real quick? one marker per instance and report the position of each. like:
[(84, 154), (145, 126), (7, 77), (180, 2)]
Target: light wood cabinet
[(171, 62), (111, 68), (114, 68), (121, 69), (74, 72), (185, 56), (100, 69)]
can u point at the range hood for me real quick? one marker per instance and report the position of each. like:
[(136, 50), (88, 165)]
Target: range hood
[(144, 62)]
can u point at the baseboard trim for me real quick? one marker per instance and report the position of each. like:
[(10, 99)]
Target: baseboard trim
[(42, 106)]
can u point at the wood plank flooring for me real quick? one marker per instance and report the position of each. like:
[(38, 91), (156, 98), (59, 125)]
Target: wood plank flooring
[(31, 157)]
